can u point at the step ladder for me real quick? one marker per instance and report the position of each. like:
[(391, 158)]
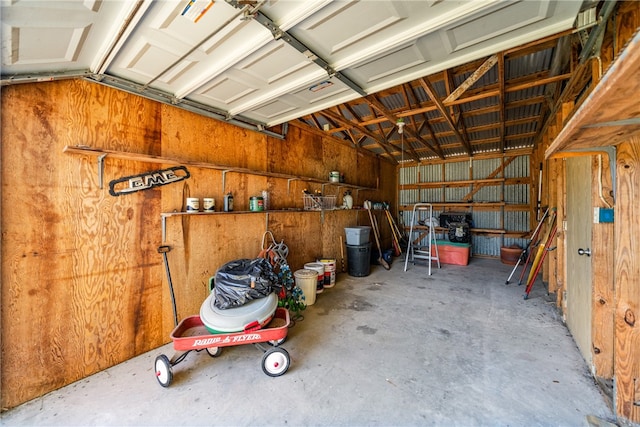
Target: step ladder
[(414, 249)]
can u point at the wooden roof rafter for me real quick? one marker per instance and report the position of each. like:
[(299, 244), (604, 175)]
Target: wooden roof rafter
[(474, 77), (425, 120), (428, 87), (502, 104), (378, 105), (456, 110), (344, 121)]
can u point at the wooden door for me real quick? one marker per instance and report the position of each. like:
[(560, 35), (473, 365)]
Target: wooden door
[(578, 243)]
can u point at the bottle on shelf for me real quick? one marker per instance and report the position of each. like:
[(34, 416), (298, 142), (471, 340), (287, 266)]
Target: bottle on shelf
[(228, 202)]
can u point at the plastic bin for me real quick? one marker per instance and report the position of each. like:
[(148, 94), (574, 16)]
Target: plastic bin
[(358, 235), (358, 260), (452, 252)]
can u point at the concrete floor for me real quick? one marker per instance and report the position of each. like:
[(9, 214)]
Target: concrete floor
[(457, 348)]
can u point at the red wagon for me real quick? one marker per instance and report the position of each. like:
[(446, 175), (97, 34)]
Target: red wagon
[(191, 334)]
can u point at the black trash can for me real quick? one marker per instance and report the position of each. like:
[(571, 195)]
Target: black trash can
[(359, 260)]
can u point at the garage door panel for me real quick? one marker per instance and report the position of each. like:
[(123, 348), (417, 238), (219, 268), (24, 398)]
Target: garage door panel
[(319, 95), (389, 65), (495, 24)]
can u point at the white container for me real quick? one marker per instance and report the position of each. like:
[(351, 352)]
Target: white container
[(334, 176), (209, 204), (224, 321), (319, 267), (329, 271), (347, 201), (357, 236), (193, 204), (306, 280)]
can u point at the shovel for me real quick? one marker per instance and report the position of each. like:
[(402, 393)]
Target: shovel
[(381, 260)]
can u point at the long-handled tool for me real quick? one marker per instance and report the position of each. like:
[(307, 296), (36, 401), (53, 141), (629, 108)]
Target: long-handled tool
[(543, 248), (530, 257), (534, 236), (164, 250), (385, 264), (396, 240), (402, 239), (342, 252)]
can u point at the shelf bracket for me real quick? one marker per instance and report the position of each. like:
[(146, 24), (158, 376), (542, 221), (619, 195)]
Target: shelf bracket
[(289, 185), (101, 169)]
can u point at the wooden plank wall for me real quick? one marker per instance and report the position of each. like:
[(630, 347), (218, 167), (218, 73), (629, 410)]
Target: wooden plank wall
[(615, 263), (83, 286), (627, 281)]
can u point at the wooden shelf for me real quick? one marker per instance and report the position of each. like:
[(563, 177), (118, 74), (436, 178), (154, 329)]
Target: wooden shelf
[(507, 206), (103, 153), (497, 231), (165, 215), (457, 204), (466, 183)]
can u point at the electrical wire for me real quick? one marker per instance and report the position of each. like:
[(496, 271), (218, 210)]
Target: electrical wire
[(600, 181)]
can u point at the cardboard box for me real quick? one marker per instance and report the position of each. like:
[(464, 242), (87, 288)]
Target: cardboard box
[(452, 252)]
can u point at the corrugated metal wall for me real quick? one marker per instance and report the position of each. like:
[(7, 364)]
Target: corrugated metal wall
[(484, 217)]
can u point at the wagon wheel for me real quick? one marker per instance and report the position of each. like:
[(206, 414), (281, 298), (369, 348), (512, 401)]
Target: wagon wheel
[(163, 370), (275, 361), (276, 343), (214, 351)]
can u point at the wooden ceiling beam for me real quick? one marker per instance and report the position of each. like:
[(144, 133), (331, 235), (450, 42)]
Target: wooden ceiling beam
[(341, 119), (489, 141), (385, 147), (503, 100), (428, 88), (456, 111), (425, 119), (423, 109), (378, 105), (481, 71), (536, 45), (512, 88), (481, 111)]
